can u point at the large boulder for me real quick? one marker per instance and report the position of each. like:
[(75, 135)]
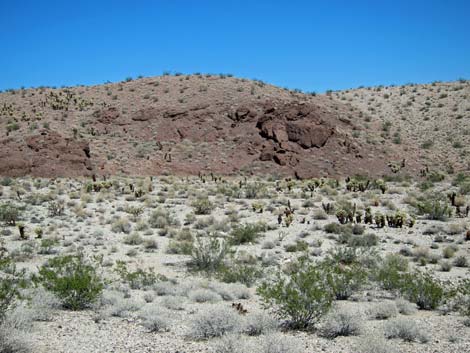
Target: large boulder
[(308, 134)]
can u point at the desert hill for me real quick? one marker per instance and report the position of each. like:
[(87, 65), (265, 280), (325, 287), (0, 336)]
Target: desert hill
[(190, 124)]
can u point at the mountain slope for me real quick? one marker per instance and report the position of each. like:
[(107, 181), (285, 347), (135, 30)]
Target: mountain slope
[(431, 120), (201, 123)]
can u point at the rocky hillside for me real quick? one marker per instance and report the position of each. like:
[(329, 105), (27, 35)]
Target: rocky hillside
[(190, 124), (432, 120)]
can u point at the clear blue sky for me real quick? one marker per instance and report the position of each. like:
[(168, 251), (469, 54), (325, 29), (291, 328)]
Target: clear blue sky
[(311, 45)]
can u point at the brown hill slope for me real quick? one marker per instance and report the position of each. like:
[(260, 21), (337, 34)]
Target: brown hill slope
[(191, 124)]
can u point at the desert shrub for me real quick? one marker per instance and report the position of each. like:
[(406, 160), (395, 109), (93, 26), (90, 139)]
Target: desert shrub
[(180, 247), (230, 343), (6, 181), (259, 324), (214, 321), (366, 240), (123, 307), (341, 323), (9, 214), (374, 344), (42, 304), (208, 254), (139, 278), (173, 302), (155, 319), (239, 272), (445, 266), (56, 208), (405, 307), (14, 341), (271, 343), (461, 295), (449, 251), (384, 311), (302, 297), (358, 229), (247, 233), (72, 279), (406, 330), (422, 289), (150, 244), (202, 206), (203, 295), (275, 343), (231, 291), (348, 256), (299, 245), (11, 281), (461, 261), (161, 218), (332, 228), (165, 288), (389, 273), (121, 225), (320, 214), (344, 280), (133, 239), (435, 209), (254, 190), (436, 176), (268, 244)]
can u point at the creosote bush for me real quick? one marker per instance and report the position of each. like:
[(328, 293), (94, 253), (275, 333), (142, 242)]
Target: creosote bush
[(9, 214), (247, 233), (11, 281), (73, 279), (202, 206), (300, 298)]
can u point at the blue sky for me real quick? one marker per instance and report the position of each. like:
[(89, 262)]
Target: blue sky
[(310, 45)]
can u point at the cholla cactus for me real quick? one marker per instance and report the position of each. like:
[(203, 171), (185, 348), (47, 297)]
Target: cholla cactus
[(342, 216), (379, 220), (396, 220), (368, 216), (257, 207), (21, 229), (289, 219)]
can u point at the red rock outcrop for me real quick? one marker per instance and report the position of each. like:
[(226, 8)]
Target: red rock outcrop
[(46, 154)]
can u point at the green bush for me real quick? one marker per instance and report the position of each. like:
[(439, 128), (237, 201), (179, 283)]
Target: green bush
[(389, 273), (299, 245), (333, 228), (366, 240), (180, 247), (435, 209), (6, 181), (139, 278), (247, 233), (422, 289), (11, 280), (239, 272), (72, 279), (344, 280), (302, 297), (9, 214), (202, 206)]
